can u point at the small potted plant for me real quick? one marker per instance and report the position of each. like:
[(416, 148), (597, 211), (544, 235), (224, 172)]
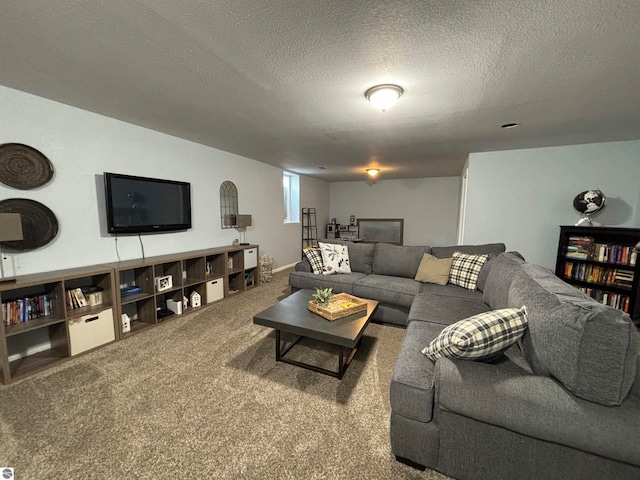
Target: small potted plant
[(323, 296)]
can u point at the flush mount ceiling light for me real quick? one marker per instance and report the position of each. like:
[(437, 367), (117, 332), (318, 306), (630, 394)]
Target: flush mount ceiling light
[(384, 96), (372, 172)]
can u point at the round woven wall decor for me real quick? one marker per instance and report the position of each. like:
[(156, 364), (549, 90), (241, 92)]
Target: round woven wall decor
[(39, 224), (23, 167)]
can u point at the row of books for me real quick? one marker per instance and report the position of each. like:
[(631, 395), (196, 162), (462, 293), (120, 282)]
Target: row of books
[(75, 298), (586, 248), (615, 300), (618, 277), (25, 309), (82, 297)]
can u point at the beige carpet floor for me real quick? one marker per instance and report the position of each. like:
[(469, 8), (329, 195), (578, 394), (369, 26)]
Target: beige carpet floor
[(201, 397)]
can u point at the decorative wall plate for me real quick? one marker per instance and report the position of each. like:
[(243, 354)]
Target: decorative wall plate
[(39, 224), (23, 167)]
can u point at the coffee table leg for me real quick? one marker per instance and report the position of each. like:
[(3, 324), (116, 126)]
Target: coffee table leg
[(281, 352), (343, 362)]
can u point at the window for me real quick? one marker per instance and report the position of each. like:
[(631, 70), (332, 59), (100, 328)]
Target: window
[(291, 188)]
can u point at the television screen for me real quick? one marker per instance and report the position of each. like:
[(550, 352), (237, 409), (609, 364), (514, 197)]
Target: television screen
[(142, 205)]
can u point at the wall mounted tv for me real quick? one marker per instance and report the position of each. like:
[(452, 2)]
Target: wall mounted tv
[(143, 205)]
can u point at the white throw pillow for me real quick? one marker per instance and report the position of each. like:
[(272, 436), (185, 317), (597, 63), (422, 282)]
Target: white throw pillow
[(482, 337), (335, 258)]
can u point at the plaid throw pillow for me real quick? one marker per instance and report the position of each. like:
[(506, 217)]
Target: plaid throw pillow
[(315, 259), (465, 269), (482, 337)]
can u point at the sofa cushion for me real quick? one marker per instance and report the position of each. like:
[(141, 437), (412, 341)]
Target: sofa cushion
[(482, 337), (310, 281), (386, 289), (589, 347), (397, 261), (444, 310), (503, 268), (508, 396), (335, 258), (314, 257), (433, 269), (450, 290), (411, 391), (465, 269), (487, 248), (361, 256)]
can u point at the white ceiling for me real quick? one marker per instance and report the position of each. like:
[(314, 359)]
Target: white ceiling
[(283, 81)]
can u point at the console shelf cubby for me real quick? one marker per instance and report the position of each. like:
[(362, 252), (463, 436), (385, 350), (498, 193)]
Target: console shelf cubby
[(212, 274), (49, 317)]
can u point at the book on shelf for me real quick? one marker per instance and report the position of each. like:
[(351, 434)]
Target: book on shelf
[(585, 248), (76, 298), (618, 277), (25, 309), (615, 300)]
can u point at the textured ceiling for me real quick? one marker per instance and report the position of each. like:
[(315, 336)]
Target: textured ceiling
[(283, 82)]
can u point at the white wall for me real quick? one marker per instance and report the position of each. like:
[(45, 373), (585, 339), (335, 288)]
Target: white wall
[(520, 197), (429, 206), (82, 145)]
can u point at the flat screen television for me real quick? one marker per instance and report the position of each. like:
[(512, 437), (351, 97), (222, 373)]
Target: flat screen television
[(143, 205)]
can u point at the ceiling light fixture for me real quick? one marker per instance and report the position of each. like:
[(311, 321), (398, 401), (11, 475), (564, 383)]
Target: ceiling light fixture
[(372, 172), (384, 96), (510, 125)]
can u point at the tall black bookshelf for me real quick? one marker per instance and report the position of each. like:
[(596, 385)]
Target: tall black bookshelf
[(603, 263)]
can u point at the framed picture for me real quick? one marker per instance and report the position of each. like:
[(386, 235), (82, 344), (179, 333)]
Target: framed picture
[(385, 230)]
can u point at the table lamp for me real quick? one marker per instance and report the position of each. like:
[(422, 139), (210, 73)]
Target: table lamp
[(10, 230), (242, 222)]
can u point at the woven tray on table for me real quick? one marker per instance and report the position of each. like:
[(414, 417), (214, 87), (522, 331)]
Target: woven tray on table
[(340, 305)]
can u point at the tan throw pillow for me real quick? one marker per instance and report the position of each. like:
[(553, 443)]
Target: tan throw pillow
[(434, 270)]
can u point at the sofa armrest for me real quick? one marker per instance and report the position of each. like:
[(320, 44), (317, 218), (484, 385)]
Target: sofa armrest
[(303, 266), (635, 388), (505, 395)]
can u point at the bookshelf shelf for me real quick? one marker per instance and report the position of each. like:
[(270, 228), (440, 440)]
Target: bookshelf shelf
[(34, 324), (602, 262)]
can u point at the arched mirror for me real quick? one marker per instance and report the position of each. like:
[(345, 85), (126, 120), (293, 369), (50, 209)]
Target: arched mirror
[(228, 204)]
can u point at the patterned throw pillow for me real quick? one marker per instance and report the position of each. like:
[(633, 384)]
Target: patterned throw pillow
[(465, 269), (482, 337), (315, 259), (335, 258)]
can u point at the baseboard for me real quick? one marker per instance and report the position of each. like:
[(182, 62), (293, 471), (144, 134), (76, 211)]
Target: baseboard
[(279, 269)]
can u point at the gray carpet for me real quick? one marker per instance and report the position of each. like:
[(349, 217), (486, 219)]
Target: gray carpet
[(201, 397)]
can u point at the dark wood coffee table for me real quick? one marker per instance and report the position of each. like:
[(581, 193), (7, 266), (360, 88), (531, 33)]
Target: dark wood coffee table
[(291, 315)]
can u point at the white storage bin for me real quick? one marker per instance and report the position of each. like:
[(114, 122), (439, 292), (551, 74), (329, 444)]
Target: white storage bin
[(215, 290), (250, 258), (90, 331)]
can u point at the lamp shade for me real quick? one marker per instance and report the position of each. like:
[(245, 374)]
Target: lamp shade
[(10, 227), (243, 221)]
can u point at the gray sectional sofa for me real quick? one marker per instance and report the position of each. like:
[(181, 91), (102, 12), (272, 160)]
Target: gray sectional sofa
[(563, 402)]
